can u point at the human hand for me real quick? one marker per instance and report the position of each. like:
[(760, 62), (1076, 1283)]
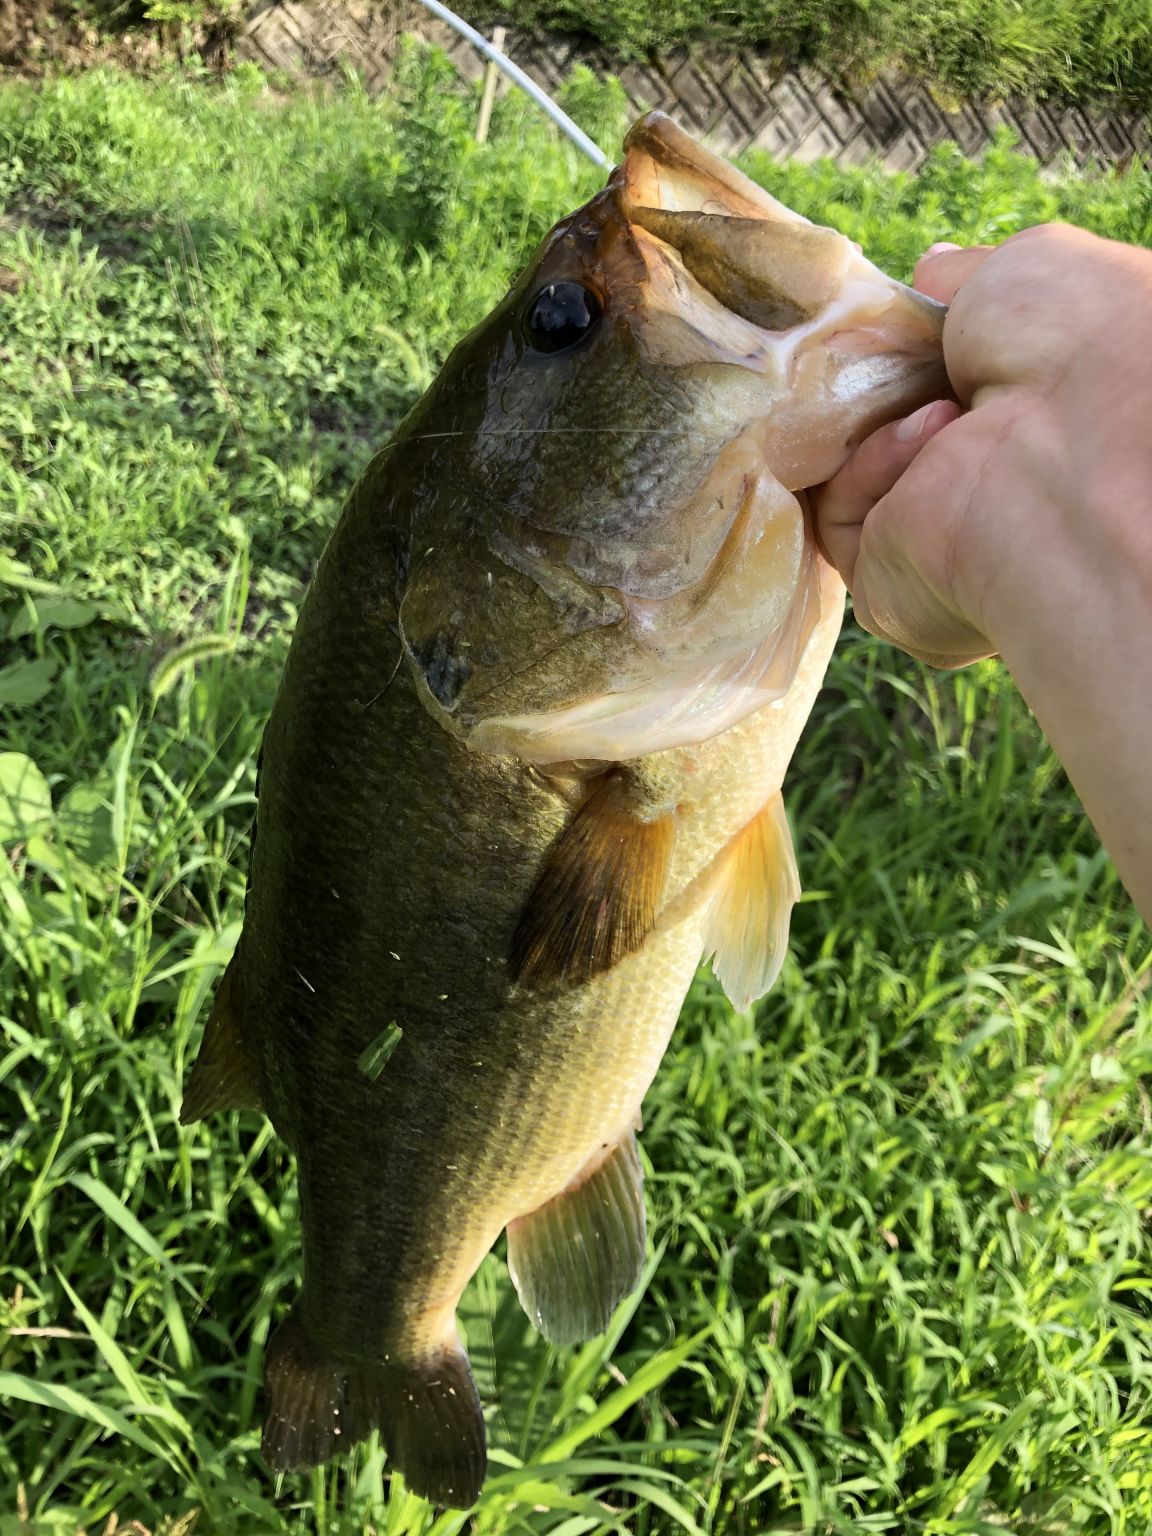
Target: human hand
[(1020, 520), (948, 526)]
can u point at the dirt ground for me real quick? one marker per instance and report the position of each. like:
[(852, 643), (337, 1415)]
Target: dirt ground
[(41, 36)]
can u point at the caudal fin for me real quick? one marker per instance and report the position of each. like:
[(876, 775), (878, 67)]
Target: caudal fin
[(427, 1411)]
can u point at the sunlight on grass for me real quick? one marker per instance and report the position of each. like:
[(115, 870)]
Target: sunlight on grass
[(899, 1276)]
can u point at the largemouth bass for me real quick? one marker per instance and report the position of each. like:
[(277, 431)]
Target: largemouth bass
[(523, 772)]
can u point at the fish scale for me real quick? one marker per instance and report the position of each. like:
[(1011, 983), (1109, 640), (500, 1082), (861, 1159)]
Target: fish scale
[(524, 770)]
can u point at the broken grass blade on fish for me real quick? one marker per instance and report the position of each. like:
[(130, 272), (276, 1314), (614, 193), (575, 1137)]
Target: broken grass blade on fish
[(373, 1058)]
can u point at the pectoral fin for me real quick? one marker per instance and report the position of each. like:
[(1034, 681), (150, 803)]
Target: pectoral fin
[(222, 1076), (600, 891), (575, 1259), (756, 887)]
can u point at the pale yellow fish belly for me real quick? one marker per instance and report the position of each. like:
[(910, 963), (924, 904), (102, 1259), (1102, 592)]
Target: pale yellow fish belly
[(580, 1106)]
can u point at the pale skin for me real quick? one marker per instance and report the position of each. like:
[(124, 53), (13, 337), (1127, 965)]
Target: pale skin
[(1019, 521)]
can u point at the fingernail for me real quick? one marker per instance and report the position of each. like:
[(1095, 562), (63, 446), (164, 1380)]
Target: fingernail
[(912, 427), (941, 245)]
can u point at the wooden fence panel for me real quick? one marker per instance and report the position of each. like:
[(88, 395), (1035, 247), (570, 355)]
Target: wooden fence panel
[(732, 97)]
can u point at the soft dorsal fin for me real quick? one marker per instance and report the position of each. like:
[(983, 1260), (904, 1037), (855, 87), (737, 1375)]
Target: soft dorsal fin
[(222, 1076), (575, 1259), (600, 890), (755, 889)]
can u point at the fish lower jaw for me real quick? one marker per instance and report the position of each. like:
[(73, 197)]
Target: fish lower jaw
[(875, 333)]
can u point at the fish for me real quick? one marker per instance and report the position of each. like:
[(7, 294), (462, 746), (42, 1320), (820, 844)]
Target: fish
[(524, 772)]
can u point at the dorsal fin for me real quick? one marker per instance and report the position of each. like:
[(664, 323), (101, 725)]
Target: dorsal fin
[(222, 1075), (575, 1259), (600, 890), (755, 889)]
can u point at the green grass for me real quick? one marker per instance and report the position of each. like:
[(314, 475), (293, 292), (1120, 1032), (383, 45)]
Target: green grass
[(900, 1262)]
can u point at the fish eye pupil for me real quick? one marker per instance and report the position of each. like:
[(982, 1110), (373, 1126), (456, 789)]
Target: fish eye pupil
[(560, 315)]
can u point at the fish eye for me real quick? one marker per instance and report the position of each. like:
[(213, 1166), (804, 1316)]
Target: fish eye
[(561, 315)]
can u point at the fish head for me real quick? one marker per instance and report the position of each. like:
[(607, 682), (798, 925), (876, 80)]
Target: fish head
[(611, 552)]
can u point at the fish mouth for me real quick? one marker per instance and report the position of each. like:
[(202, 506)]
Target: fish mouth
[(732, 270), (665, 168)]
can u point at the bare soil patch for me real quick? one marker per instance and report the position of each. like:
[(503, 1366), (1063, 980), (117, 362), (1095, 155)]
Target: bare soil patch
[(39, 37)]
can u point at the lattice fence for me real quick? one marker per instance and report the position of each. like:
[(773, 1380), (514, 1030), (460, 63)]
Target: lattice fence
[(734, 98)]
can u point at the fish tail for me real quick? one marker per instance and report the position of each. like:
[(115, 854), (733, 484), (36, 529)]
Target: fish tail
[(307, 1420), (427, 1411)]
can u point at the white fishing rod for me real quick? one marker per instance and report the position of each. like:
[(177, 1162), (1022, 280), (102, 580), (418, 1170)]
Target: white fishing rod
[(525, 82)]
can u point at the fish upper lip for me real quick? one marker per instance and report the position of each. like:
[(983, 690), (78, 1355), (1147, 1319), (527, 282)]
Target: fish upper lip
[(656, 138)]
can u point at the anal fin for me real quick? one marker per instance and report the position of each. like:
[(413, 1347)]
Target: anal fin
[(600, 891), (575, 1259), (755, 888), (222, 1076)]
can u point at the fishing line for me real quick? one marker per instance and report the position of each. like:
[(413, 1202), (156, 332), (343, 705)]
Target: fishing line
[(525, 82)]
